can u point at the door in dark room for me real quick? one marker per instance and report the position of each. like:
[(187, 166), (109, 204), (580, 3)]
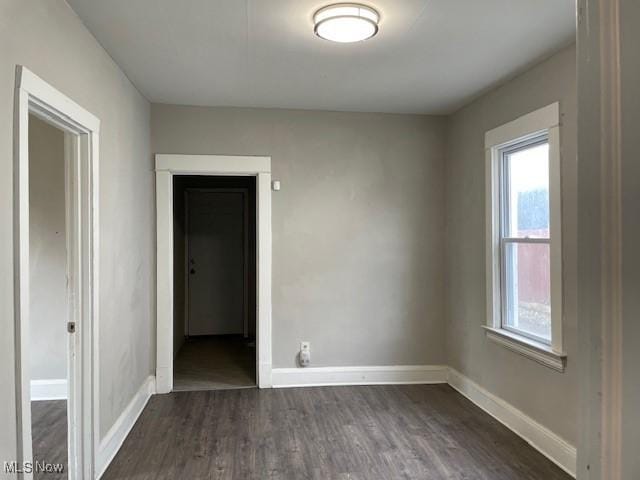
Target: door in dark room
[(214, 282), (217, 254)]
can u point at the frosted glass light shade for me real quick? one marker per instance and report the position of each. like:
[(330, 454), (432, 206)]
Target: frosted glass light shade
[(346, 22)]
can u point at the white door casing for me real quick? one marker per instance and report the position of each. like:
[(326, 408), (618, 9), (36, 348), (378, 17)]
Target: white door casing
[(34, 96), (168, 165)]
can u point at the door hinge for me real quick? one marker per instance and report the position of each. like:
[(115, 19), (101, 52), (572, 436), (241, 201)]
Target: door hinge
[(71, 327)]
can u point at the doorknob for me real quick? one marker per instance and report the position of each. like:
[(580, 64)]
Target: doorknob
[(192, 271), (71, 327)]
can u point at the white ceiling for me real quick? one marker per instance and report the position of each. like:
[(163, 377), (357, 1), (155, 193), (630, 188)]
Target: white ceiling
[(430, 56)]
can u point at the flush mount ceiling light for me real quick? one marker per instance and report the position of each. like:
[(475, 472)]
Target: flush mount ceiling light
[(346, 22)]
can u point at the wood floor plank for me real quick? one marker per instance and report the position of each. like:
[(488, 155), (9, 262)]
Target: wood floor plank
[(215, 362), (49, 436), (426, 432)]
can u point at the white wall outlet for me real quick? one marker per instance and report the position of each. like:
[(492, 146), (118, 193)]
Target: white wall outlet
[(275, 185), (304, 356)]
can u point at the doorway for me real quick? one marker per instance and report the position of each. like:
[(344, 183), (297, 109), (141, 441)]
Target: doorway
[(214, 282), (48, 299), (55, 208), (169, 166)]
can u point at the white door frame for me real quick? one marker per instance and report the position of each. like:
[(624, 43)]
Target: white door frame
[(168, 165), (34, 96), (602, 251)]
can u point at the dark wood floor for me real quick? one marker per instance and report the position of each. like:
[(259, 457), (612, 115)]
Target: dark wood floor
[(364, 432), (215, 362), (49, 435)]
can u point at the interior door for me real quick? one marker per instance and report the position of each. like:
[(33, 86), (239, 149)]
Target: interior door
[(216, 263)]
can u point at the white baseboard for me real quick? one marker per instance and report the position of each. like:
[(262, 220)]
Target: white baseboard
[(327, 376), (49, 389), (116, 435), (541, 438)]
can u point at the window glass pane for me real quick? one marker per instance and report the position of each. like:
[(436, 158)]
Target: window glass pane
[(527, 192), (528, 292)]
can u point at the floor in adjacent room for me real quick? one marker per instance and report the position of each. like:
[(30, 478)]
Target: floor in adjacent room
[(49, 435), (215, 362), (358, 432)]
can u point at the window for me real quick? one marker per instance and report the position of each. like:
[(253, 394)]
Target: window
[(524, 277), (524, 239)]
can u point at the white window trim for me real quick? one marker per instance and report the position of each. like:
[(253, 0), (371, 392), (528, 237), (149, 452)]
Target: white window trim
[(546, 119)]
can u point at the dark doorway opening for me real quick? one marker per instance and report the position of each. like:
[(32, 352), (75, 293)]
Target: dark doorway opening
[(214, 282)]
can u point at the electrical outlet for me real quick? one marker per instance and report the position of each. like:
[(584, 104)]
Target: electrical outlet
[(304, 357)]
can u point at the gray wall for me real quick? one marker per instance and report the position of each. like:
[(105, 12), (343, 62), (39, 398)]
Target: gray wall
[(545, 395), (47, 37), (47, 252), (357, 228)]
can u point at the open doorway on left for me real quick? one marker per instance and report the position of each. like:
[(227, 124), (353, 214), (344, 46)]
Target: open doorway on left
[(48, 300)]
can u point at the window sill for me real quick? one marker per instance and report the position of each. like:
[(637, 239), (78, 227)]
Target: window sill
[(536, 351)]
